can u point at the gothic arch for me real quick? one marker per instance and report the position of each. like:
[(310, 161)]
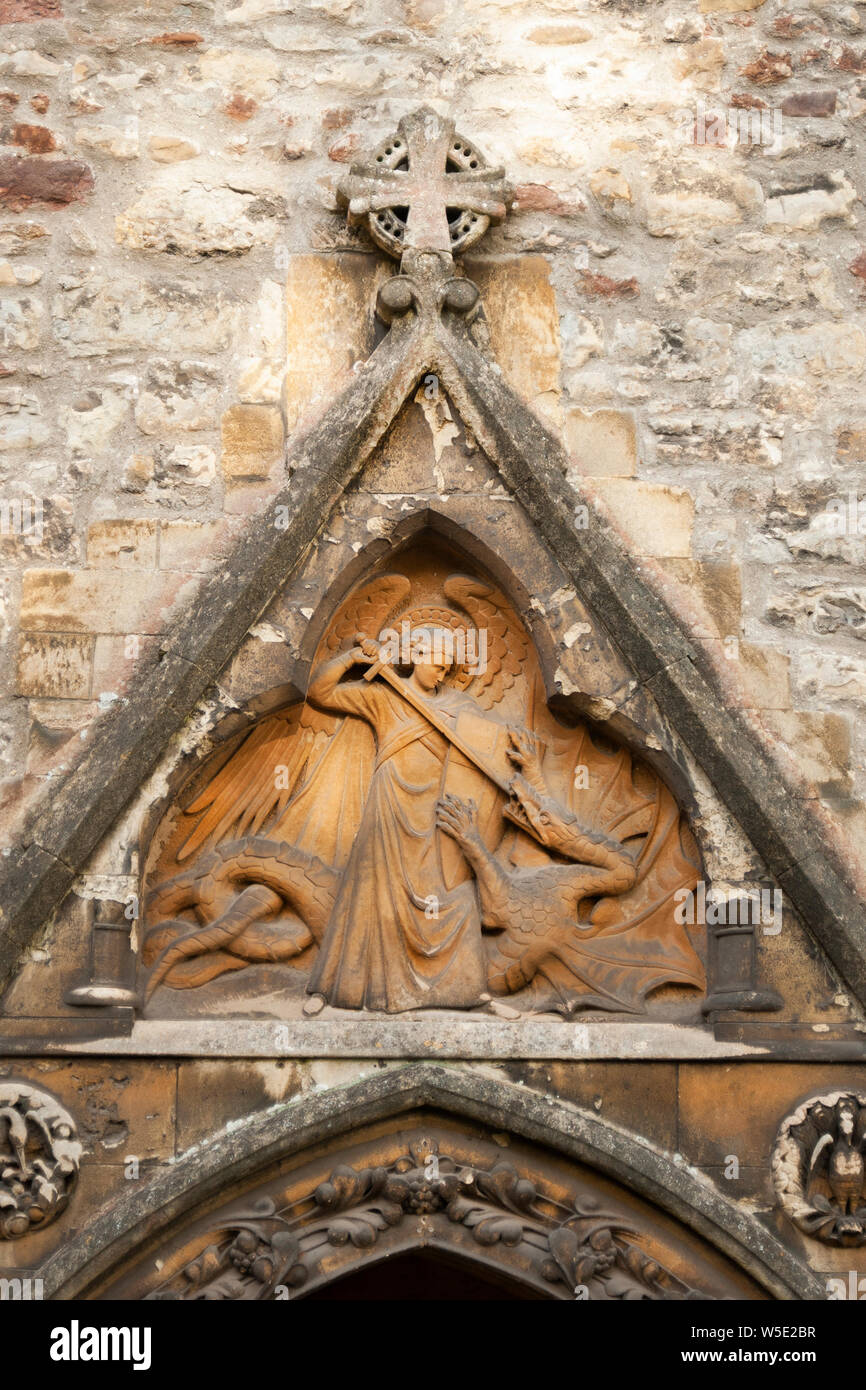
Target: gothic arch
[(677, 1215)]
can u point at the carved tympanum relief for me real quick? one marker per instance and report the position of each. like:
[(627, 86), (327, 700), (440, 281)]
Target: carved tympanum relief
[(819, 1167), (422, 832), (39, 1159)]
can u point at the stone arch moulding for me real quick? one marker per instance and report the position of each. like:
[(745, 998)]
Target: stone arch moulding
[(195, 1213), (434, 327)]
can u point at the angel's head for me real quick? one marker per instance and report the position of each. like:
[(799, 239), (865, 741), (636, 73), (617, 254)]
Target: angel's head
[(431, 655)]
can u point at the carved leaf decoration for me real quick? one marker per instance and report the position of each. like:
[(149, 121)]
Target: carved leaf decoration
[(507, 642), (205, 1268), (347, 1186), (363, 1201), (13, 1128), (504, 1185), (363, 1225), (487, 1223)]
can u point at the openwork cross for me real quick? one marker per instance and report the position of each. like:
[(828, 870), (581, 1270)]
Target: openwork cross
[(426, 189)]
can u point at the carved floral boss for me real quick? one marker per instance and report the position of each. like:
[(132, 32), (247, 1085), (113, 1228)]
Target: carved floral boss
[(39, 1159)]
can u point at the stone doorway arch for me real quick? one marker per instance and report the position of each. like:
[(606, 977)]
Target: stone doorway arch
[(436, 1160)]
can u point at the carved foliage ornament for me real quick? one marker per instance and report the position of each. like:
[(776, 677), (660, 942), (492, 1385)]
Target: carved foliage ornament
[(819, 1168), (262, 1253), (39, 1159)]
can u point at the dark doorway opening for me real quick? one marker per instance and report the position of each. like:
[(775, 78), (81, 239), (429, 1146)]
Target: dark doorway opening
[(423, 1276)]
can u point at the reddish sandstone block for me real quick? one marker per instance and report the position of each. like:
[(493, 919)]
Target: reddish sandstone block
[(26, 11), (37, 139), (50, 183), (810, 104)]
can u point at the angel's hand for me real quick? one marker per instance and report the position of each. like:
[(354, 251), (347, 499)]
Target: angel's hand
[(524, 748), (366, 651)]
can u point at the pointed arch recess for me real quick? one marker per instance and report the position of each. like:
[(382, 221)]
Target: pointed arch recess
[(199, 1184)]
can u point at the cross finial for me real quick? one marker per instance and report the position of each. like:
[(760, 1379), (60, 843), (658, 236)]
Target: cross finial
[(425, 189)]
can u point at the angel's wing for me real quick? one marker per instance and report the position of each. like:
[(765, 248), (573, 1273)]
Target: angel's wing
[(368, 609), (507, 643), (280, 757), (260, 778)]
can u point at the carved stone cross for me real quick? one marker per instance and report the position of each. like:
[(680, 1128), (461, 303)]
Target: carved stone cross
[(426, 189)]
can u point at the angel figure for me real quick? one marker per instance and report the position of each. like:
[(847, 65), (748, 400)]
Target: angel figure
[(399, 937)]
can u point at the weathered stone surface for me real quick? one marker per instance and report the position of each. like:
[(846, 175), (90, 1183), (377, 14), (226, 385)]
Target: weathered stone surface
[(66, 600), (27, 11), (180, 396), (768, 68), (190, 465), (329, 327), (21, 323), (119, 544), (519, 291), (36, 139), (729, 6), (252, 441), (55, 665), (94, 314), (170, 149), (690, 199), (92, 419), (602, 443), (809, 104), (658, 520), (827, 198), (107, 139), (192, 220)]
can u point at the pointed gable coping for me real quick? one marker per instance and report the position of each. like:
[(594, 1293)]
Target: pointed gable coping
[(128, 741)]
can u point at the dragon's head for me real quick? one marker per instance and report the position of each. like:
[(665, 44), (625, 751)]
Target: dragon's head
[(535, 811)]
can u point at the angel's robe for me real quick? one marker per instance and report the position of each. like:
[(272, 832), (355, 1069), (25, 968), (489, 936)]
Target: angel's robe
[(398, 938)]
